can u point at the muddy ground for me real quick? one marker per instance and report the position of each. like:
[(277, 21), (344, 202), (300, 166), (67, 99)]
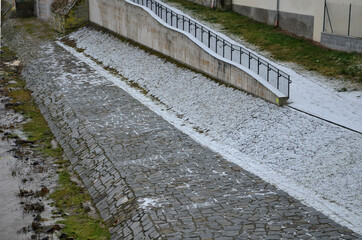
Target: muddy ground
[(26, 177), (42, 197)]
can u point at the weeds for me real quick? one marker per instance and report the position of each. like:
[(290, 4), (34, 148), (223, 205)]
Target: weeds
[(68, 197)]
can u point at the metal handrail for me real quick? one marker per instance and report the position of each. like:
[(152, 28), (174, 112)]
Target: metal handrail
[(218, 44)]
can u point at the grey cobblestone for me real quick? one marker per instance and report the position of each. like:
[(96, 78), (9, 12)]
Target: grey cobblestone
[(148, 179)]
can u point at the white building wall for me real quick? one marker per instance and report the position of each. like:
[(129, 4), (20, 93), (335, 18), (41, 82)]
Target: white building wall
[(338, 10)]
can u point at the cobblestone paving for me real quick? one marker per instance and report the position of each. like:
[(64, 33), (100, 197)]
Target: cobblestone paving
[(148, 179)]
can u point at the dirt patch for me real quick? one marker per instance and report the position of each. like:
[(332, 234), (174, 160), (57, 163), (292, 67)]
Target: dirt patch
[(48, 201), (26, 176)]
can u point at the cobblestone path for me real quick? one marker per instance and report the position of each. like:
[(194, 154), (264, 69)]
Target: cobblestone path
[(148, 179)]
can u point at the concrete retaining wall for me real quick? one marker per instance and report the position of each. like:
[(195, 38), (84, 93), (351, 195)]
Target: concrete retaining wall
[(73, 15), (134, 23), (342, 43), (43, 9)]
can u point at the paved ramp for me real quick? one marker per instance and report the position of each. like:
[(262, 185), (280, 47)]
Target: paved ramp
[(148, 179)]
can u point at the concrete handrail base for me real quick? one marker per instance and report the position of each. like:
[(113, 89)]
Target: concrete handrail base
[(137, 24)]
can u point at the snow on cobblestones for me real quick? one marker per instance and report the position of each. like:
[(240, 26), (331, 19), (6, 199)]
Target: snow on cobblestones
[(315, 154)]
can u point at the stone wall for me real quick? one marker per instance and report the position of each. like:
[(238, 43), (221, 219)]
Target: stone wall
[(73, 15), (134, 23), (342, 43)]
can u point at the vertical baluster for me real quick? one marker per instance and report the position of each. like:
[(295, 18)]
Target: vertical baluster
[(223, 48), (249, 60), (176, 20), (171, 18), (278, 79), (195, 30), (209, 36), (216, 43), (231, 52), (183, 23), (288, 85), (202, 34), (189, 25), (241, 55)]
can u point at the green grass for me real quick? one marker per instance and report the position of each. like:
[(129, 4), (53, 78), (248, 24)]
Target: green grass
[(281, 45), (68, 196), (38, 29), (7, 55)]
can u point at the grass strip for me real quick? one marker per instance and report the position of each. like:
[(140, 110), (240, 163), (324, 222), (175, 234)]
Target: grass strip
[(69, 197), (281, 45)]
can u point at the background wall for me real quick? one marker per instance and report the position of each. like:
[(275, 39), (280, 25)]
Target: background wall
[(304, 18), (221, 4), (42, 9)]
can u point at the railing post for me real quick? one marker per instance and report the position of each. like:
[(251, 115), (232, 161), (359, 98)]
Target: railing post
[(267, 76), (249, 59), (195, 29), (278, 79), (177, 20), (202, 34), (183, 22), (209, 36), (171, 17), (289, 85), (258, 65), (231, 52), (189, 25), (241, 55), (216, 43), (223, 48)]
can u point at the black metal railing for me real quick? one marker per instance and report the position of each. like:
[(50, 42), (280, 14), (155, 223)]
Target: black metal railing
[(220, 46)]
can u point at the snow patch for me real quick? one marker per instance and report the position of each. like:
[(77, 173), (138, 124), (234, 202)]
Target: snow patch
[(310, 159), (147, 203)]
